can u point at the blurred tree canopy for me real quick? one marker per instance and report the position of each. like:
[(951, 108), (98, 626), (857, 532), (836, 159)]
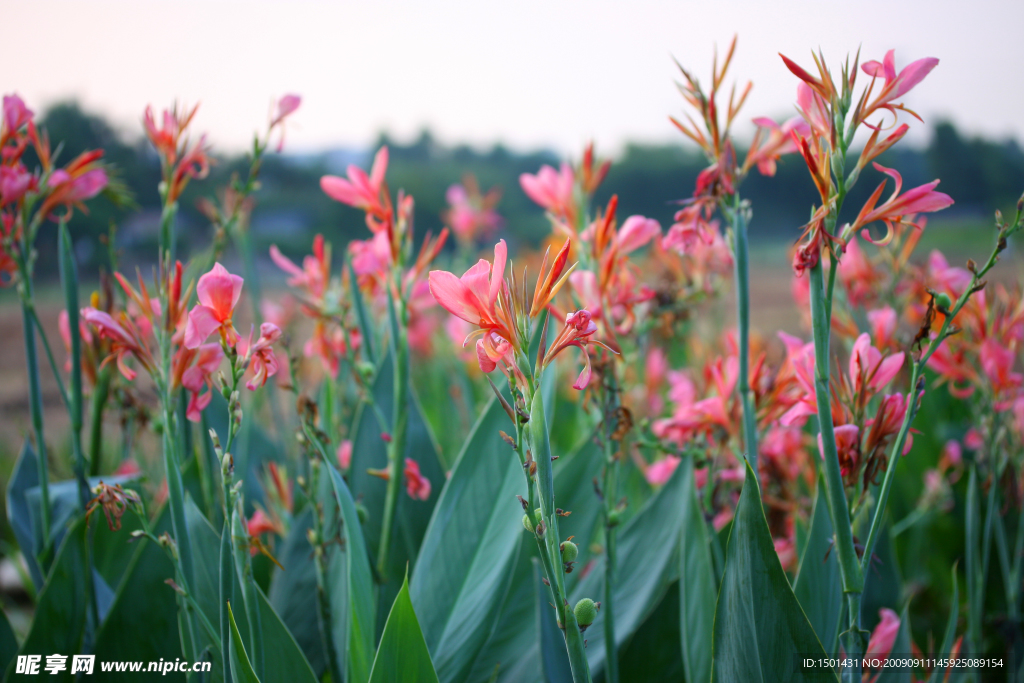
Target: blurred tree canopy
[(979, 174)]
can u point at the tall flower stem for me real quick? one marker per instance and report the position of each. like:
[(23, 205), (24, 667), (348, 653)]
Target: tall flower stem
[(97, 405), (550, 551), (739, 217), (610, 493), (835, 493), (399, 425)]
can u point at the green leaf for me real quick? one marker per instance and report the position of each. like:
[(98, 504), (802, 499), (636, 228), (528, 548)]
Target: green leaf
[(469, 549), (25, 477), (241, 670), (59, 622), (759, 627), (403, 656), (883, 585), (369, 451), (947, 640), (293, 590), (365, 327), (284, 660), (653, 654), (900, 646), (554, 660), (574, 491), (8, 642), (697, 584), (818, 586), (145, 606), (647, 562), (351, 581)]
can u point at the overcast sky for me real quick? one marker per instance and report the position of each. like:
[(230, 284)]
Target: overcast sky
[(528, 74)]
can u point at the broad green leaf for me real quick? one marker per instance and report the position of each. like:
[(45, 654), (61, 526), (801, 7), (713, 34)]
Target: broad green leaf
[(351, 582), (369, 451), (883, 585), (402, 656), (293, 590), (284, 660), (241, 669), (24, 477), (759, 627), (59, 621), (145, 606), (8, 642), (653, 654), (554, 659), (470, 548), (950, 635), (574, 492), (697, 584), (900, 646), (818, 586), (647, 564)]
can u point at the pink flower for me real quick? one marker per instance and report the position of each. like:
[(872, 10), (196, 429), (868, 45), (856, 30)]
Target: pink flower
[(766, 152), (123, 343), (260, 523), (285, 107), (579, 327), (868, 368), (491, 349), (15, 181), (416, 485), (85, 186), (345, 455), (16, 114), (785, 548), (896, 85), (997, 363), (553, 190), (884, 635), (636, 231), (261, 357), (218, 292), (883, 325), (847, 447), (474, 296), (945, 278), (315, 271), (921, 199), (200, 376), (659, 472), (360, 190), (887, 423)]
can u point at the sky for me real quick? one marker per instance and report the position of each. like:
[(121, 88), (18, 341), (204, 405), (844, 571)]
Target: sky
[(528, 74)]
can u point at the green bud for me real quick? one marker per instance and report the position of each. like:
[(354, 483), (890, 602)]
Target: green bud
[(527, 524), (614, 517), (586, 612), (943, 302), (569, 551)]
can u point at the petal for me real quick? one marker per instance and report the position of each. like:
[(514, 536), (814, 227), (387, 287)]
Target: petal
[(913, 74), (219, 290), (380, 167), (340, 190), (635, 232), (283, 262), (497, 272), (454, 296), (887, 370), (202, 322)]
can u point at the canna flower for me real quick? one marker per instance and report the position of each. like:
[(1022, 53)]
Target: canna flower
[(657, 473), (166, 138), (471, 214), (553, 190), (416, 485), (868, 369), (123, 341), (81, 179), (261, 523), (64, 327), (997, 361), (315, 272), (896, 85), (886, 425), (579, 327), (772, 141), (16, 114), (360, 190), (218, 292), (345, 455), (883, 322), (847, 448), (822, 84), (286, 106), (260, 355), (15, 182), (884, 635), (474, 296), (922, 199), (200, 376)]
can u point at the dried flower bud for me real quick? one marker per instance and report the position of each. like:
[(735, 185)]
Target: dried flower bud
[(586, 612)]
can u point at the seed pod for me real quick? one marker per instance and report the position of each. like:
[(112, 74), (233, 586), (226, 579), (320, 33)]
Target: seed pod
[(569, 551), (943, 302), (586, 612)]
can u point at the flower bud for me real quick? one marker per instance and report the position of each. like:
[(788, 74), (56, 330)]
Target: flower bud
[(586, 612), (569, 551)]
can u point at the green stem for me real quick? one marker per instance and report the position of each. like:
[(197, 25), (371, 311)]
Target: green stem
[(36, 408), (545, 482), (400, 420), (98, 404), (610, 491), (746, 392), (227, 572), (243, 568)]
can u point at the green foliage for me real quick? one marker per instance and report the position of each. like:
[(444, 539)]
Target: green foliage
[(469, 550), (241, 669), (8, 642), (402, 656), (698, 586), (760, 628), (818, 586)]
